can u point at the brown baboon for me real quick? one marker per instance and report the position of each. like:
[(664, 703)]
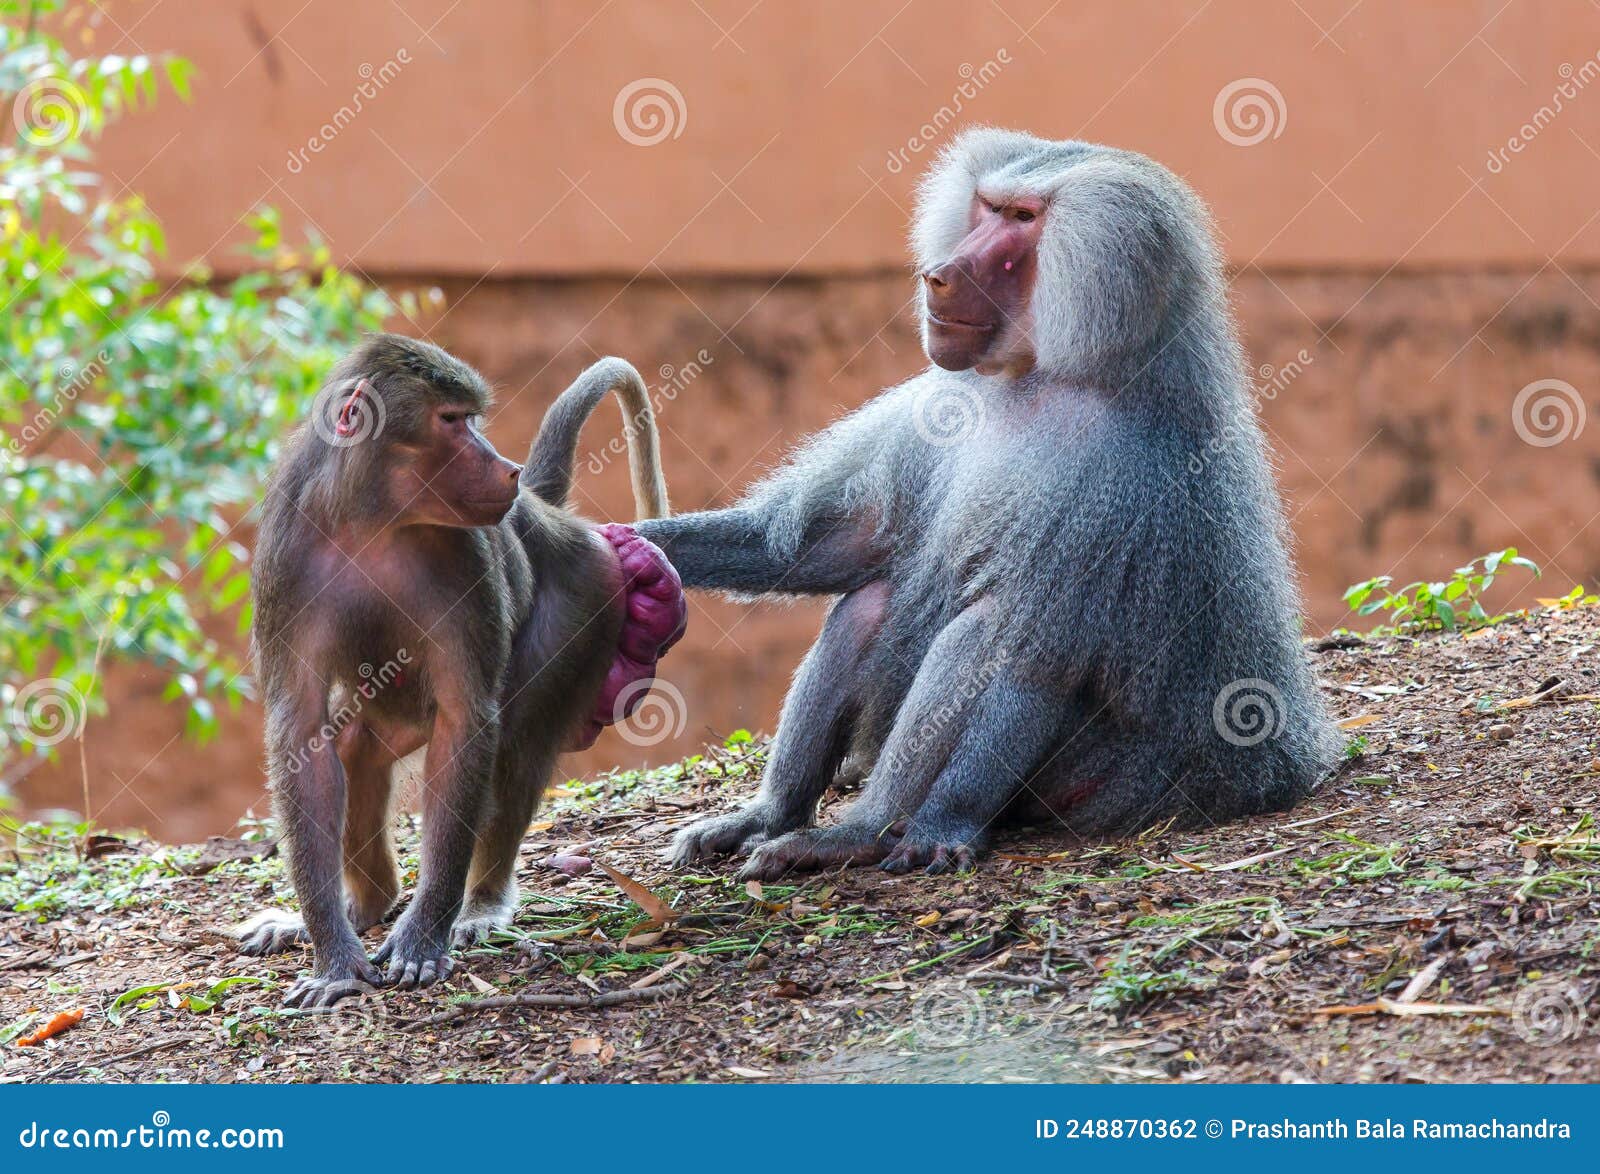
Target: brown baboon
[(412, 587)]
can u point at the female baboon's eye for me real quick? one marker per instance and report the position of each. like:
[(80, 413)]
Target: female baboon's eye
[(449, 417), (1023, 215)]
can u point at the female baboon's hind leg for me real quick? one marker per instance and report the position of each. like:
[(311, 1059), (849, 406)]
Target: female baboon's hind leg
[(371, 877), (519, 780), (813, 734)]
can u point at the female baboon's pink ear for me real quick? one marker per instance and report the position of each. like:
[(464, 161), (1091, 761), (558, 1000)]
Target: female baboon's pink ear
[(350, 413)]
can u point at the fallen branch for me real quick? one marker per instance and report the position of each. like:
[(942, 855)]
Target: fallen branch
[(1393, 1007), (73, 1067), (548, 1002)]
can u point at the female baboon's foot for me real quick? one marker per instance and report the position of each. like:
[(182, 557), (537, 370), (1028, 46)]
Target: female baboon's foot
[(415, 954), (932, 855), (276, 931), (321, 990), (733, 831), (272, 931), (815, 848), (481, 918)]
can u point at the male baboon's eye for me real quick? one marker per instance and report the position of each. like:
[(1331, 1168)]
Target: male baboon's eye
[(1023, 215), (449, 417)]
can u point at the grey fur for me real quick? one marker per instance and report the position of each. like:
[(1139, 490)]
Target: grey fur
[(1040, 615)]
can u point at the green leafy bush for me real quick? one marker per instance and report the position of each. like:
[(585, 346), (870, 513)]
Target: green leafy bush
[(1444, 605), (139, 416)]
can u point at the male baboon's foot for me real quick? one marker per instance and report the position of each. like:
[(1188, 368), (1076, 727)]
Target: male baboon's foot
[(318, 992), (932, 855), (414, 955), (272, 931), (477, 922), (733, 831), (816, 848)]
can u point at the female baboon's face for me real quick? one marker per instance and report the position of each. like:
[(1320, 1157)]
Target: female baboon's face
[(977, 300), (450, 475)]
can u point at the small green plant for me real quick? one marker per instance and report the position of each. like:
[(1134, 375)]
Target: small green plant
[(138, 415), (1124, 986), (1443, 605)]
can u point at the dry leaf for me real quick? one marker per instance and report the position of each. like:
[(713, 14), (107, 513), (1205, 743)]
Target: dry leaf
[(928, 919), (754, 890), (657, 909), (1355, 723), (588, 1045), (749, 1073)]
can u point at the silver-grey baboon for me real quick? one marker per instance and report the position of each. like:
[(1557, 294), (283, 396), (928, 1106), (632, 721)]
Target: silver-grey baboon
[(1059, 594)]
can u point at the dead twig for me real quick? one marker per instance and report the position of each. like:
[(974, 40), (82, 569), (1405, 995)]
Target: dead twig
[(548, 1002), (73, 1067)]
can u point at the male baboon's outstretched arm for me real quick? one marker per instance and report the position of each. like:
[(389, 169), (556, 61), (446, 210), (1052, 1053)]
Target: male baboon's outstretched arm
[(729, 550)]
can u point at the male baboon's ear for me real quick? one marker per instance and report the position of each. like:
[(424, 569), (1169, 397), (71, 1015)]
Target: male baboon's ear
[(350, 413)]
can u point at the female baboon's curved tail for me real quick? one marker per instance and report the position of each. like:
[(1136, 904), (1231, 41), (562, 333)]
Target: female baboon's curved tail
[(548, 472)]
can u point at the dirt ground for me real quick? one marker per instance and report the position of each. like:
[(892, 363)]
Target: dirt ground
[(1430, 915)]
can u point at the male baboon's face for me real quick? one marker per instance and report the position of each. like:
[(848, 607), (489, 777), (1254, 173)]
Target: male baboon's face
[(977, 300), (451, 474)]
